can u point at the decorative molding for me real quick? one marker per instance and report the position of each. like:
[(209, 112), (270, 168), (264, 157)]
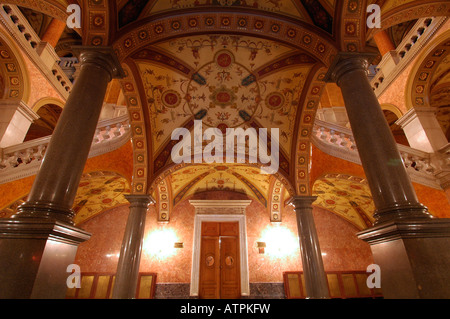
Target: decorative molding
[(229, 207), (244, 269)]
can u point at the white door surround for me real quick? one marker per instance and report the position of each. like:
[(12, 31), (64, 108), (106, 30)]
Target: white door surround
[(220, 211)]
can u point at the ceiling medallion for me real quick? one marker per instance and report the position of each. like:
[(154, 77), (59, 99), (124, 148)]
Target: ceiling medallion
[(275, 100), (224, 59), (171, 98), (222, 97), (216, 84)]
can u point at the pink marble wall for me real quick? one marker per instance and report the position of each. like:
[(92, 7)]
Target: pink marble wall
[(40, 87), (336, 236)]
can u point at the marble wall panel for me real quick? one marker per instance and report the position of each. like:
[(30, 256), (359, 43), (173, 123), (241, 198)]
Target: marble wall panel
[(173, 265)]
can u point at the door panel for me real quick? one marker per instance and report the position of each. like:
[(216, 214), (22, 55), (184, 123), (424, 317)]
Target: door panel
[(219, 261), (210, 229), (209, 268), (229, 229), (229, 255)]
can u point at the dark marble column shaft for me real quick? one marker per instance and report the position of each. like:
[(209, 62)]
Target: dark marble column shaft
[(389, 182), (313, 269), (56, 183), (130, 253), (39, 242), (408, 244)]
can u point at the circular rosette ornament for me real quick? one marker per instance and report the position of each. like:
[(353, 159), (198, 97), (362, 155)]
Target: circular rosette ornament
[(275, 100), (224, 59), (171, 98)]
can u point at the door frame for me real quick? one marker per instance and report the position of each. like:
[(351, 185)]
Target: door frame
[(243, 248)]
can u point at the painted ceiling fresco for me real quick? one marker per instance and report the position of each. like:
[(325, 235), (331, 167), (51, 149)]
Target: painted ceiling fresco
[(239, 178), (226, 81), (319, 12), (346, 196), (98, 192)]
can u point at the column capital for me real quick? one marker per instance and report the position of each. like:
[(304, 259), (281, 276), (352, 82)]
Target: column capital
[(302, 201), (347, 61), (103, 57), (140, 200)]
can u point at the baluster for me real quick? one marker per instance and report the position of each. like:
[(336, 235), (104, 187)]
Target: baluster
[(117, 132), (352, 143), (323, 134), (344, 141), (105, 134), (333, 137), (96, 136), (40, 151)]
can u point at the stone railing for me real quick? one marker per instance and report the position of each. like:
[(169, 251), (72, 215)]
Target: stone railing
[(429, 169), (394, 62), (23, 160)]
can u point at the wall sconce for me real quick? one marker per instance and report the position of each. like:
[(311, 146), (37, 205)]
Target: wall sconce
[(261, 245), (178, 245)]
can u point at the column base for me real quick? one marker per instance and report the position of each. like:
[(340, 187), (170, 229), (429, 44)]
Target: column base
[(44, 210), (406, 211), (34, 255), (413, 256)]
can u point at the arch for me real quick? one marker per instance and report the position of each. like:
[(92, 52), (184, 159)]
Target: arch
[(410, 11), (301, 156), (49, 113), (299, 35), (392, 115), (173, 168), (417, 89), (391, 107), (16, 82), (47, 100)]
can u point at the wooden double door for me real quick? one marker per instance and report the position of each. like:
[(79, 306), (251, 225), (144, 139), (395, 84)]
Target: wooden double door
[(219, 261)]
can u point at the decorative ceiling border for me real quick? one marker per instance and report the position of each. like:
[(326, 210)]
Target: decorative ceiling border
[(421, 82), (13, 70), (138, 131), (302, 151), (297, 34), (96, 27), (352, 26)]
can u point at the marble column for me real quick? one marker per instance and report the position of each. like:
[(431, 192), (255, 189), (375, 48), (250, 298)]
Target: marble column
[(56, 184), (130, 254), (383, 42), (54, 31), (409, 245), (315, 278), (39, 242), (390, 184), (389, 56)]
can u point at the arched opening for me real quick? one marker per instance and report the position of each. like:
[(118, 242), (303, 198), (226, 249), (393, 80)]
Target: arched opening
[(46, 123), (397, 131)]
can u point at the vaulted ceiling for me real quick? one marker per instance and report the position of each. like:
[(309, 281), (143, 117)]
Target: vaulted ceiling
[(230, 63)]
